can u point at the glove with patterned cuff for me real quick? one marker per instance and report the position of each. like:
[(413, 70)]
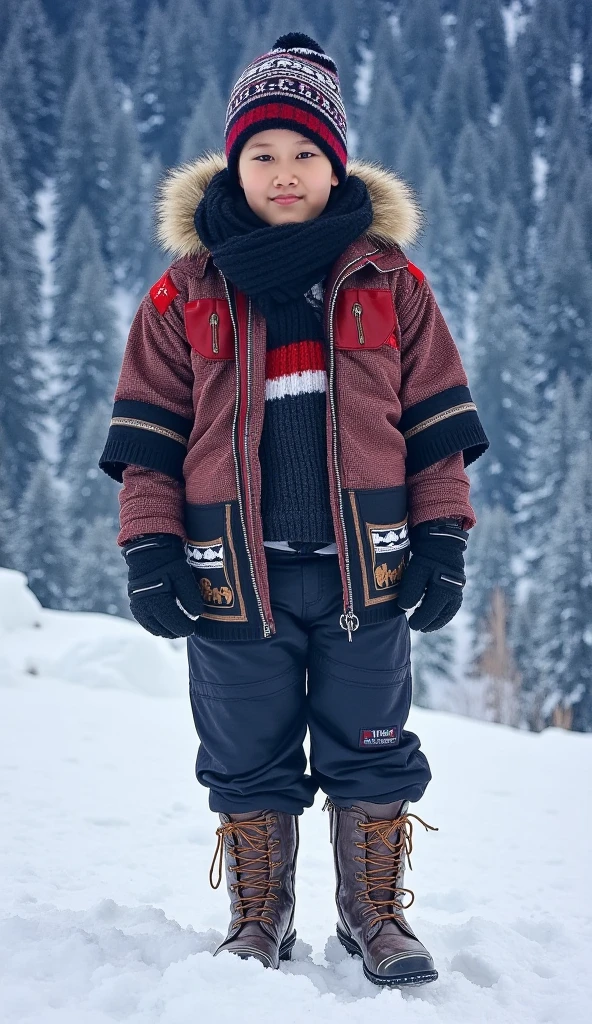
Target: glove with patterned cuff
[(164, 596), (435, 572)]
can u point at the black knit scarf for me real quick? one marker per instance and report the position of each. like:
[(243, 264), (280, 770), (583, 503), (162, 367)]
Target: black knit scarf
[(275, 264)]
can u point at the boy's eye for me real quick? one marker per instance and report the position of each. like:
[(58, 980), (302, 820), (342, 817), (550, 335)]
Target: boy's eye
[(305, 152)]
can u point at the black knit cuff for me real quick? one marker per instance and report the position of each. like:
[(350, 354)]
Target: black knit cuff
[(141, 434), (440, 426)]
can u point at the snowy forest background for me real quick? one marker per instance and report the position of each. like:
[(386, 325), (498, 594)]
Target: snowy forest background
[(485, 109)]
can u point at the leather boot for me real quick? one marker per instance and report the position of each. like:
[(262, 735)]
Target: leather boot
[(259, 850), (370, 844)]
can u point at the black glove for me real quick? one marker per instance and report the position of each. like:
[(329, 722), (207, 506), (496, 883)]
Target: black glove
[(437, 563), (164, 596)]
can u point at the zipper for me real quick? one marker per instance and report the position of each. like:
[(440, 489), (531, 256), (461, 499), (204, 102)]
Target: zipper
[(347, 620), (357, 311), (266, 626), (214, 321)]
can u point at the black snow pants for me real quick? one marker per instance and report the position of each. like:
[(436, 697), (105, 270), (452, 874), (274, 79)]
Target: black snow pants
[(253, 700)]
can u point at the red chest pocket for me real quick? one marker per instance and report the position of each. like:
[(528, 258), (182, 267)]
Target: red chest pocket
[(208, 326), (365, 318)]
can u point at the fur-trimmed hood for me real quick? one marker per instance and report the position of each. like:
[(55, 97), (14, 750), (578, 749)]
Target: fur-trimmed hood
[(397, 220)]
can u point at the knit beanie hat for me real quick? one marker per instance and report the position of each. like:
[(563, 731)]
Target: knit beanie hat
[(295, 85)]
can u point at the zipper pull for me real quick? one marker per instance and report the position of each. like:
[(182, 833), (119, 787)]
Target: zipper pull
[(327, 804), (357, 311), (351, 622), (214, 320)]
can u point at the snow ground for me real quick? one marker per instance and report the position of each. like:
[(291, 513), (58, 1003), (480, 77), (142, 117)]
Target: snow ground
[(106, 913)]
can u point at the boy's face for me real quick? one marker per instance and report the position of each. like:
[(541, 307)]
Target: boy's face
[(280, 162)]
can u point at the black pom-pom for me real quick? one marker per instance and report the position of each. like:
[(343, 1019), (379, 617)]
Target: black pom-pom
[(297, 39)]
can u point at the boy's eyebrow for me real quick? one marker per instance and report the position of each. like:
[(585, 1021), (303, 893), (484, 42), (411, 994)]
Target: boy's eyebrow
[(265, 145)]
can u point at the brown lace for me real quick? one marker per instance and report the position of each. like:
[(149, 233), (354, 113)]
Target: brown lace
[(384, 867), (253, 836)]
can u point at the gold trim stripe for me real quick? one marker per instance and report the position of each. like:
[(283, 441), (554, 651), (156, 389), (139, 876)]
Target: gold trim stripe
[(124, 421), (454, 411)]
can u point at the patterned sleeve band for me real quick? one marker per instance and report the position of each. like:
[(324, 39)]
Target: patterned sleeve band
[(441, 425), (142, 434)]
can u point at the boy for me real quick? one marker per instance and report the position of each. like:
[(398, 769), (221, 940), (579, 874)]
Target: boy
[(291, 423)]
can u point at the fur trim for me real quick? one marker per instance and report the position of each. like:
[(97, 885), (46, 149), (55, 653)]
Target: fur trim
[(398, 217)]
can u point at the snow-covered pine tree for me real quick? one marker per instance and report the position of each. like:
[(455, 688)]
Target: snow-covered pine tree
[(90, 492), (21, 408), (565, 306), (39, 546), (432, 662), (83, 161), (470, 200), (490, 564), (88, 355), (551, 452), (438, 256), (98, 578), (492, 36), (563, 584), (502, 391)]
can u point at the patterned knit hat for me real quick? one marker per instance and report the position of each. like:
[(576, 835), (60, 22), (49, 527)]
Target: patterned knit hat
[(295, 85)]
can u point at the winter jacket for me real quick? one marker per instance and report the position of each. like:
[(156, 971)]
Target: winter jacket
[(189, 408)]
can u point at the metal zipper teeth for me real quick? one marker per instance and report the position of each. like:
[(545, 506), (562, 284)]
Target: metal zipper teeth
[(236, 458), (266, 628), (349, 613)]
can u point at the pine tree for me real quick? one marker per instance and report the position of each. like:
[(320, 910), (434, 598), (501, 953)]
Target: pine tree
[(21, 102), (81, 246), (414, 160), (438, 256), (582, 200), (474, 83), (119, 18), (470, 199), (423, 51), (84, 156), (20, 381), (565, 305), (38, 44), (189, 66), (515, 115), (205, 129), (129, 230), (99, 574), (564, 581), (450, 116), (488, 22), (490, 564), (432, 659), (502, 391), (551, 452), (90, 492), (39, 546), (544, 53), (382, 121), (88, 354)]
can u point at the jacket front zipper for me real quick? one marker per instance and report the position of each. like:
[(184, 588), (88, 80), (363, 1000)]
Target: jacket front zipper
[(266, 626), (214, 319), (347, 620), (357, 311)]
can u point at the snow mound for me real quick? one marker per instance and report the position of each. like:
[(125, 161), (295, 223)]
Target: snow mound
[(86, 648)]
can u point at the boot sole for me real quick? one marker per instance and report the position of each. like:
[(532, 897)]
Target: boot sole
[(250, 953), (413, 978)]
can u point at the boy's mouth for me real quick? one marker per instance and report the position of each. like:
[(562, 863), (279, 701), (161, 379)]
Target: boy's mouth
[(285, 200)]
